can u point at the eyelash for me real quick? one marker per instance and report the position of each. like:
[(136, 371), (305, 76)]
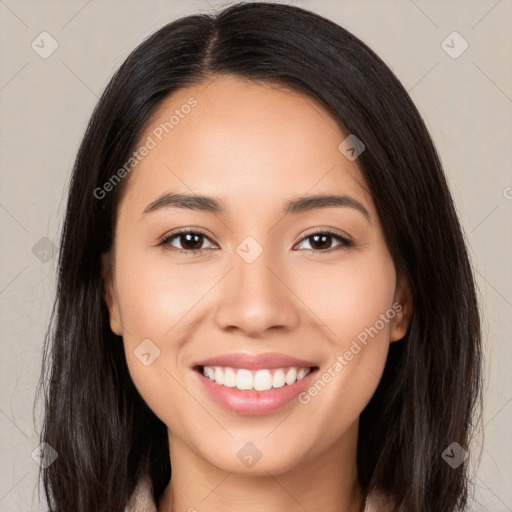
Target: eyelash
[(165, 241)]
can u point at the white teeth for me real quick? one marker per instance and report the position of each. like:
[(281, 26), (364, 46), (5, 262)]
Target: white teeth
[(244, 380), (262, 380), (229, 378), (219, 375), (257, 380), (291, 376), (278, 379), (300, 374)]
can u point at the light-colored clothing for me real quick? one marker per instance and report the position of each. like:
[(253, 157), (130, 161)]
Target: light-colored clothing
[(142, 500)]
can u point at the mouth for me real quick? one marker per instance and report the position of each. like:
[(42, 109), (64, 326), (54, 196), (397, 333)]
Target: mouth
[(245, 379), (255, 391)]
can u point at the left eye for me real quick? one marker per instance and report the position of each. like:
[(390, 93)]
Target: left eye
[(325, 238)]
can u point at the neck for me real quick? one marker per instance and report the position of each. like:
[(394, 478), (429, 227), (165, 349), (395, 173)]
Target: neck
[(327, 482)]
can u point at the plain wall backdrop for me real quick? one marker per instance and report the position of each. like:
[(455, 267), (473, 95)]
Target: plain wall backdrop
[(57, 57)]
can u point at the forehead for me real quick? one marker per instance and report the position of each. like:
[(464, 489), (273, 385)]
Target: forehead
[(230, 136)]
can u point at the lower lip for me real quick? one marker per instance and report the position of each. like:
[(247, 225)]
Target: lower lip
[(254, 403)]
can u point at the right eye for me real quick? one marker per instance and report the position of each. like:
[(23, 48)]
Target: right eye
[(190, 241)]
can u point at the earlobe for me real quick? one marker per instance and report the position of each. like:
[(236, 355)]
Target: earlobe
[(110, 295), (402, 305)]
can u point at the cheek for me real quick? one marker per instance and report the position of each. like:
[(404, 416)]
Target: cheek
[(155, 295), (354, 302), (350, 297)]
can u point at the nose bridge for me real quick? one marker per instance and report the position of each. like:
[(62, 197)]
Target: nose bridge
[(254, 297)]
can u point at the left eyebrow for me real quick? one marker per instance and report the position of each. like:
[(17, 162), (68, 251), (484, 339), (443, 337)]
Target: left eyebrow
[(307, 203), (216, 206)]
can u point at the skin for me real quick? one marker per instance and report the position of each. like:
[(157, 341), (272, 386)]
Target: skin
[(254, 146)]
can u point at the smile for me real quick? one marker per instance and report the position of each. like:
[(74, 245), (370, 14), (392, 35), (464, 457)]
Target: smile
[(260, 380)]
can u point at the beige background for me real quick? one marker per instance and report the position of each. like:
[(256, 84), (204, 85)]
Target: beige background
[(45, 105)]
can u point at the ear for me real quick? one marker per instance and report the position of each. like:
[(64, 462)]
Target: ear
[(110, 293), (402, 306)]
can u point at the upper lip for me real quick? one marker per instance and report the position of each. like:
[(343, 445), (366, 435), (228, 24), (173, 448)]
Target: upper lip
[(256, 361)]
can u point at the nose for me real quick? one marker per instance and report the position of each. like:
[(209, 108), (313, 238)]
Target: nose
[(256, 297)]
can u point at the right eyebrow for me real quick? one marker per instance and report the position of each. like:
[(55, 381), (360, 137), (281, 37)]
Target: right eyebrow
[(193, 202)]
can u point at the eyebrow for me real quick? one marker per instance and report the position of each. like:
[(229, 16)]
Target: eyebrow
[(216, 206)]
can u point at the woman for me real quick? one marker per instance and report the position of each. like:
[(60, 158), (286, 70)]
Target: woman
[(263, 284)]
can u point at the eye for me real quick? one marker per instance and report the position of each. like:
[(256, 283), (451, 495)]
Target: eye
[(325, 238), (191, 241)]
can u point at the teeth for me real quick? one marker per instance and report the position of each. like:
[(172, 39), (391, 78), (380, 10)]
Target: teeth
[(258, 380), (291, 376), (302, 373), (229, 378), (262, 380), (219, 375), (278, 380), (244, 379)]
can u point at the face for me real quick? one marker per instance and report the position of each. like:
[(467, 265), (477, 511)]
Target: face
[(261, 285)]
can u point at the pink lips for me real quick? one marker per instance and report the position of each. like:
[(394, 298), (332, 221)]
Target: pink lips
[(250, 402), (268, 360)]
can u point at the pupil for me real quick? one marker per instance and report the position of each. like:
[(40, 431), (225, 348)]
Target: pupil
[(323, 238), (189, 237)]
